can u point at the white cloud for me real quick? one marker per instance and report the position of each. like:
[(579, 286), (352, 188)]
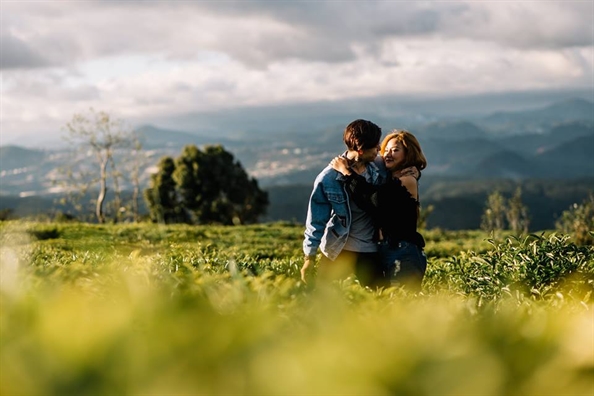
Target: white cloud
[(139, 59), (525, 24)]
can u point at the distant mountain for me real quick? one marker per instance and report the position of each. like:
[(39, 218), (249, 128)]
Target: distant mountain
[(544, 149), (511, 123), (534, 143), (278, 154), (567, 131), (153, 137), (570, 159), (504, 164), (15, 157), (389, 111), (457, 157), (450, 130), (567, 110)]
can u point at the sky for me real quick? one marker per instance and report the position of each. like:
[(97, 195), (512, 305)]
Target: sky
[(141, 60)]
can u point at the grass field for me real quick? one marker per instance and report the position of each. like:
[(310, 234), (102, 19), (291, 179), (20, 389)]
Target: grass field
[(197, 310)]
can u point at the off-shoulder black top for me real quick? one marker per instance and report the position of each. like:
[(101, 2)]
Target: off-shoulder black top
[(392, 207)]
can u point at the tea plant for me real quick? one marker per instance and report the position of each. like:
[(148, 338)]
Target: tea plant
[(534, 267), (147, 309)]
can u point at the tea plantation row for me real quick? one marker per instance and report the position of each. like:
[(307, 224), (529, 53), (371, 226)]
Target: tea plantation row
[(146, 309)]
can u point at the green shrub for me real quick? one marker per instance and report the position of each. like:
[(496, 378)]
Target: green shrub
[(532, 268)]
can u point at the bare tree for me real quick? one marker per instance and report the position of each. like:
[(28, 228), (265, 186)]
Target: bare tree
[(517, 213), (578, 221), (494, 215), (133, 166), (97, 134), (424, 213)]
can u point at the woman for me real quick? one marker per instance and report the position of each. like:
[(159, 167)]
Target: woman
[(394, 207)]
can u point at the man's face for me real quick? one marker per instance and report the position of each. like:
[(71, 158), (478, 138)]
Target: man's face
[(368, 155)]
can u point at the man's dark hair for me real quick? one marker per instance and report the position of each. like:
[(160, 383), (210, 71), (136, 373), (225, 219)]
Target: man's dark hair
[(362, 135)]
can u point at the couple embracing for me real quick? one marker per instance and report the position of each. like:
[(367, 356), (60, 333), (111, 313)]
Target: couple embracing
[(363, 211)]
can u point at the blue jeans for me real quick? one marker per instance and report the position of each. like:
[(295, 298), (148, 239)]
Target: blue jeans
[(404, 264)]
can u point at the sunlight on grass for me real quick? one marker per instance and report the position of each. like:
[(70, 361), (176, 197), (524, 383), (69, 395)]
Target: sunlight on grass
[(176, 317)]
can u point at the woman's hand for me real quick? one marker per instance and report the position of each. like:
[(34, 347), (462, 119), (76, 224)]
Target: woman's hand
[(340, 164)]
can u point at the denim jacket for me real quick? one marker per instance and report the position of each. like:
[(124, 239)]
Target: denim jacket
[(328, 219)]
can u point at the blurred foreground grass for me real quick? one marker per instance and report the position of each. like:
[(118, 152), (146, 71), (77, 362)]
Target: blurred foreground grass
[(179, 310)]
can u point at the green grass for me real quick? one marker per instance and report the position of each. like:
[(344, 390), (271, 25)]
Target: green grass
[(186, 310)]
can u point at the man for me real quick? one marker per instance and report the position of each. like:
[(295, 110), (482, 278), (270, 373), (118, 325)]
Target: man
[(335, 224)]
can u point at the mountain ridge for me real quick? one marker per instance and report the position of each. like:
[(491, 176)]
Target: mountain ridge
[(453, 147)]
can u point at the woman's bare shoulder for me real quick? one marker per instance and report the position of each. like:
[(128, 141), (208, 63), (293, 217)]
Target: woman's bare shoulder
[(410, 183)]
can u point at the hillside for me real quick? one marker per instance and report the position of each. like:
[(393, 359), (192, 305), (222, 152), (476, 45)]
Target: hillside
[(450, 130), (152, 137), (286, 162), (15, 157), (538, 120), (508, 164)]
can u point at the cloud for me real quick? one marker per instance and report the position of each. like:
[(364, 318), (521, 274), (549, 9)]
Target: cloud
[(17, 54), (261, 32), (524, 25), (157, 58)]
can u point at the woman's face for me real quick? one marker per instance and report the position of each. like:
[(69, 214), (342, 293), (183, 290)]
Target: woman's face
[(394, 155)]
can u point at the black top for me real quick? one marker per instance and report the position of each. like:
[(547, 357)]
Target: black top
[(391, 206)]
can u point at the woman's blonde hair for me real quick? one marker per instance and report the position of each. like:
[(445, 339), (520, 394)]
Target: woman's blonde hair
[(413, 155)]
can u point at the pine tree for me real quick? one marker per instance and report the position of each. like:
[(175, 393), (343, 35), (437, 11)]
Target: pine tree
[(161, 196)]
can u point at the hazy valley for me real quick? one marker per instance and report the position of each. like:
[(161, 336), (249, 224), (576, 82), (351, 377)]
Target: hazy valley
[(552, 146)]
